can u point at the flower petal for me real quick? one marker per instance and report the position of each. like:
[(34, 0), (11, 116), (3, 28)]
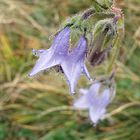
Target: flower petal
[(54, 55), (81, 103), (79, 52), (73, 65), (45, 61), (61, 41), (96, 113), (83, 91), (86, 73), (105, 97), (95, 88), (97, 99), (98, 102), (72, 73)]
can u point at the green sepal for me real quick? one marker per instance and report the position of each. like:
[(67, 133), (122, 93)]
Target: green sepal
[(105, 4)]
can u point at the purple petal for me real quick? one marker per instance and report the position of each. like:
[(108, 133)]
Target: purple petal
[(73, 65), (97, 99), (86, 73), (96, 114), (45, 61), (72, 72), (98, 102), (83, 91), (80, 51), (61, 41), (54, 55), (81, 103), (95, 88)]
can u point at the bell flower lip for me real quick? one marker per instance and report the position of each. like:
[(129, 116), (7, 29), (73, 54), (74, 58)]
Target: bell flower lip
[(94, 101), (73, 64), (54, 55)]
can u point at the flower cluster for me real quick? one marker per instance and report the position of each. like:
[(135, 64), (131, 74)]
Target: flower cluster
[(95, 43)]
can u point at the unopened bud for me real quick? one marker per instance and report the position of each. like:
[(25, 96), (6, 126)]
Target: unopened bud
[(103, 34)]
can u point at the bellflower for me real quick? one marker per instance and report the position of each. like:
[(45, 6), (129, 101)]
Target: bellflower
[(95, 99), (54, 55), (73, 64)]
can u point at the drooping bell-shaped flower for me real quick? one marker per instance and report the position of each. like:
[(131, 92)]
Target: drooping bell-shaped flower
[(95, 99), (73, 65), (54, 55)]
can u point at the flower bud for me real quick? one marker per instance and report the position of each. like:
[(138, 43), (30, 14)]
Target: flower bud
[(103, 34)]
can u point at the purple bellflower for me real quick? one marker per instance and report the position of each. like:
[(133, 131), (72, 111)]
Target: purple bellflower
[(71, 63), (96, 100)]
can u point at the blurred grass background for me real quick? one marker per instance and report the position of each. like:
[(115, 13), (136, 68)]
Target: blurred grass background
[(40, 108)]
